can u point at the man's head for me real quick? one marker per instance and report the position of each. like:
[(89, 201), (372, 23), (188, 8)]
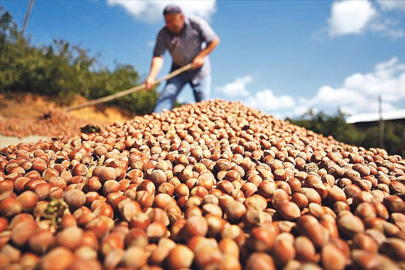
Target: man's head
[(174, 18)]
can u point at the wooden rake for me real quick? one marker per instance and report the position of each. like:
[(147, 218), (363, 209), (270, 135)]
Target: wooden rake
[(128, 91)]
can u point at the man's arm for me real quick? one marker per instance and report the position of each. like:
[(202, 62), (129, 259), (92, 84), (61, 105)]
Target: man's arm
[(156, 66), (198, 61)]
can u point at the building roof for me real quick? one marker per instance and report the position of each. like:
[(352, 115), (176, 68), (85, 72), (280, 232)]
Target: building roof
[(375, 116)]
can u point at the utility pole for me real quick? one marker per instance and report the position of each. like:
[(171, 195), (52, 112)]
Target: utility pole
[(381, 122), (27, 15)]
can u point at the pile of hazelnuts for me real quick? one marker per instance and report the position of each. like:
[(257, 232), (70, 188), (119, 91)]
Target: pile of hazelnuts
[(209, 185)]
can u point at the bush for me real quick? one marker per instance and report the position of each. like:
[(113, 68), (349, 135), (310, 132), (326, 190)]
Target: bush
[(394, 133), (63, 70)]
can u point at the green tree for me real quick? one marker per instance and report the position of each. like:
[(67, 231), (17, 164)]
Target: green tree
[(348, 133), (62, 70), (335, 126)]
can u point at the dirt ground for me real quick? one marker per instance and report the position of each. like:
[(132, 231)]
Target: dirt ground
[(26, 115)]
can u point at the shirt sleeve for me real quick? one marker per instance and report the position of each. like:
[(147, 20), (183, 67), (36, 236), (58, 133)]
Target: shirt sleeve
[(160, 46), (208, 33)]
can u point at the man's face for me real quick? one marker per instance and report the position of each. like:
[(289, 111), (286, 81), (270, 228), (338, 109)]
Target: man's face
[(174, 22)]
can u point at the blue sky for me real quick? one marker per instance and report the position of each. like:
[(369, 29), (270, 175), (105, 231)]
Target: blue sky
[(281, 57)]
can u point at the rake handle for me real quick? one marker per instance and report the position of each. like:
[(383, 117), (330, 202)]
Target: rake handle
[(128, 91)]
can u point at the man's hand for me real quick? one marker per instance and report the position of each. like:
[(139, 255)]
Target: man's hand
[(157, 63), (198, 61), (150, 82)]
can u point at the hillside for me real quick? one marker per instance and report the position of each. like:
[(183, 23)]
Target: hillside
[(25, 115)]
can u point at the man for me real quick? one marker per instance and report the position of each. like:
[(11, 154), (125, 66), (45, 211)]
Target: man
[(189, 40)]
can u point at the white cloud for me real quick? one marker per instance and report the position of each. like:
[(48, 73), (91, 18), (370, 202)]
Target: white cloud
[(266, 101), (152, 11), (387, 27), (263, 100), (359, 16), (393, 4), (387, 79), (329, 100), (359, 92), (299, 110), (236, 89), (350, 17)]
